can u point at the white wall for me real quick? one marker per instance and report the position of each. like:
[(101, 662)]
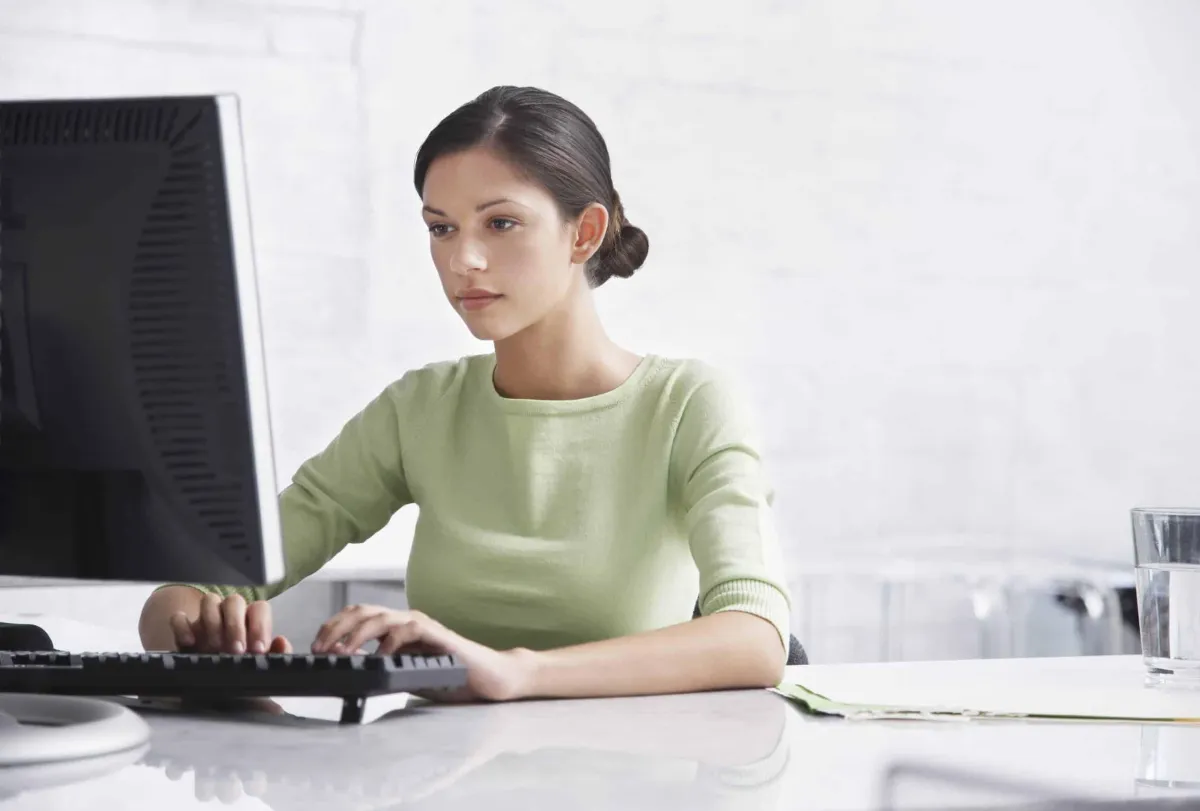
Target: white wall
[(950, 246)]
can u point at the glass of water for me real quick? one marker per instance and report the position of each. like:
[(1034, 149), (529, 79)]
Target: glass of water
[(1167, 554)]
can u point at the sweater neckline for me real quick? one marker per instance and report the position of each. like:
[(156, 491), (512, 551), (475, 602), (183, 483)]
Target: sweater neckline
[(516, 405)]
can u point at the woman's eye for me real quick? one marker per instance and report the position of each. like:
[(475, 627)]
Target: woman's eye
[(503, 224), (438, 229)]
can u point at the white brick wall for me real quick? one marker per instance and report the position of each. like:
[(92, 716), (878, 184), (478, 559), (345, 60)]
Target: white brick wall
[(951, 247)]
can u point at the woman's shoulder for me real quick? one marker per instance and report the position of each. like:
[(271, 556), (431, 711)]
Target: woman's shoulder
[(687, 377), (437, 380), (699, 392), (709, 407)]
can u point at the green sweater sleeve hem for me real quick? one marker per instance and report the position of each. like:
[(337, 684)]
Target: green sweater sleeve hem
[(249, 593), (753, 597)]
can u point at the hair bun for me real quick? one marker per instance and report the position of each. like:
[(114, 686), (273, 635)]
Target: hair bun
[(627, 254)]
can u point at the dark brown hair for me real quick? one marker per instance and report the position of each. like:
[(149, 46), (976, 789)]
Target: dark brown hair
[(555, 144)]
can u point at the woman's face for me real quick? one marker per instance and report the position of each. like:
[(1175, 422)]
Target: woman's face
[(504, 254)]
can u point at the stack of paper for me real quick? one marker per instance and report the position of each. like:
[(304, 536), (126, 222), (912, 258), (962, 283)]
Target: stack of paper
[(1083, 688)]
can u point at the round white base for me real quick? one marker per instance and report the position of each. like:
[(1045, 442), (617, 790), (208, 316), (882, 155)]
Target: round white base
[(48, 729)]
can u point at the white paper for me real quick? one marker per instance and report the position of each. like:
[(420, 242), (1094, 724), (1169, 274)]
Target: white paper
[(1082, 686)]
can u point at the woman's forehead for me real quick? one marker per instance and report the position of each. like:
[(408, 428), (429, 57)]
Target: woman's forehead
[(461, 190)]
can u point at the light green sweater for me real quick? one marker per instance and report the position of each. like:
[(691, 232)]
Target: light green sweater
[(546, 523)]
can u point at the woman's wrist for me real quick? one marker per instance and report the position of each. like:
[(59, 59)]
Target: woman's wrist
[(527, 667)]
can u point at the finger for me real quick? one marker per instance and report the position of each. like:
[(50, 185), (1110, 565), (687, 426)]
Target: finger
[(271, 707), (233, 617), (210, 621), (181, 629), (431, 637), (200, 635), (398, 636), (205, 787), (280, 644), (229, 789), (341, 624), (258, 626), (256, 784), (376, 627)]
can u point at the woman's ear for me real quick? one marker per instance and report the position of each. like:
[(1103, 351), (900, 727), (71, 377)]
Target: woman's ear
[(590, 228)]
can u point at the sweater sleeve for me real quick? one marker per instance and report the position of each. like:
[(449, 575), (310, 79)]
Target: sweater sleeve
[(344, 494), (727, 508)]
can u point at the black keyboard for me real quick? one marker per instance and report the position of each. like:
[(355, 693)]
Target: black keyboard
[(226, 676)]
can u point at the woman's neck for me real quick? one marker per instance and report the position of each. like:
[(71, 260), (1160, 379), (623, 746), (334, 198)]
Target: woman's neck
[(565, 356)]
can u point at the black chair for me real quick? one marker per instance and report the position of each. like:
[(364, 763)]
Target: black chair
[(796, 654)]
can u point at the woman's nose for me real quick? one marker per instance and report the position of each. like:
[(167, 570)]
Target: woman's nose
[(467, 257)]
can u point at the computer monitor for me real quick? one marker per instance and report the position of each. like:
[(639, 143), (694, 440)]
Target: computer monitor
[(135, 439)]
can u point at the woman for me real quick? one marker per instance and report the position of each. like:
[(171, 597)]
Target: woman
[(576, 499)]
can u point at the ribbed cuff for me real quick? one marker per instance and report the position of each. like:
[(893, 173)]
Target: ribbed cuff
[(249, 593), (756, 597)]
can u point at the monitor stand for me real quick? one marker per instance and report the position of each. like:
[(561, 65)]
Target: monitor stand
[(37, 728)]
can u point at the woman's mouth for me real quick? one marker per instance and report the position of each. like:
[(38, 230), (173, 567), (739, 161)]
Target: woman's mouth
[(478, 300)]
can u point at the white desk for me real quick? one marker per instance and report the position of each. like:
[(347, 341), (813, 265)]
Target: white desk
[(732, 750)]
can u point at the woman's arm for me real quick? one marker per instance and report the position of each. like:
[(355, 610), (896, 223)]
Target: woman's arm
[(728, 650), (342, 495), (718, 482)]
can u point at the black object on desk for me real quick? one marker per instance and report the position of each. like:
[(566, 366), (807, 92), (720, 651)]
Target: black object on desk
[(135, 437), (134, 426), (226, 676), (24, 637)]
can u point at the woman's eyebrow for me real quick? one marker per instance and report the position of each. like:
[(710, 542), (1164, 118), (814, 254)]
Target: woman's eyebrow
[(480, 207)]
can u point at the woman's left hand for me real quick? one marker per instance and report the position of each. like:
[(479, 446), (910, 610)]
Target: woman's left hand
[(491, 675)]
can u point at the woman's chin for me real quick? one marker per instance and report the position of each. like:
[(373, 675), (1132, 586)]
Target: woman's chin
[(487, 331)]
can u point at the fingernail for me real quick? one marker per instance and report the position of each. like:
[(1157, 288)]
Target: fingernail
[(260, 647), (238, 647), (229, 789), (205, 789)]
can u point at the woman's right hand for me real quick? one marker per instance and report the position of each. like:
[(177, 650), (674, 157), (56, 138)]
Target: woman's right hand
[(228, 626)]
